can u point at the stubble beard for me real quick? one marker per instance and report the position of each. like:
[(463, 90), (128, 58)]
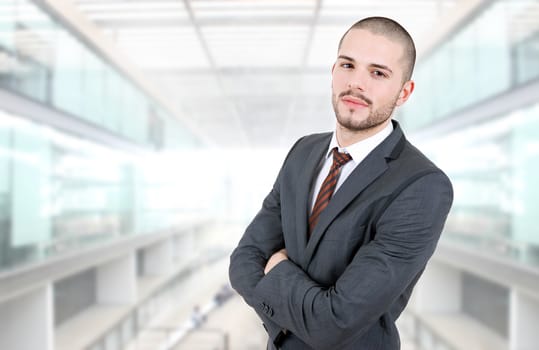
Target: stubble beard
[(375, 118)]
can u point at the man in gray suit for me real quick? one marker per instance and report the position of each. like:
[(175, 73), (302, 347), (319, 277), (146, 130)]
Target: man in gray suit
[(330, 260)]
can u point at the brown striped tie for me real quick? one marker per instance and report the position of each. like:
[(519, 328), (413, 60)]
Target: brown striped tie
[(328, 187)]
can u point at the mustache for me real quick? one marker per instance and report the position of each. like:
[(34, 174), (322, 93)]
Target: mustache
[(356, 95)]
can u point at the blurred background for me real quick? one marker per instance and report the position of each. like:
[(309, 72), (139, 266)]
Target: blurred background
[(139, 137)]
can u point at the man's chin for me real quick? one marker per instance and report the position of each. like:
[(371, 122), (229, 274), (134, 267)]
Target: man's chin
[(353, 121), (363, 126), (353, 125)]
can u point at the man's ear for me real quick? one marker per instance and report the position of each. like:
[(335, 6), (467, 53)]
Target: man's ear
[(406, 91)]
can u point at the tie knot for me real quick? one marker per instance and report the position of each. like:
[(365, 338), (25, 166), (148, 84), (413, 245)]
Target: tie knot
[(340, 159)]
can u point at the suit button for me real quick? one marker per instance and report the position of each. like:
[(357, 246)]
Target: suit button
[(270, 312)]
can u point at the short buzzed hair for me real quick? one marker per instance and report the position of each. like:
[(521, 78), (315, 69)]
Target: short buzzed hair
[(393, 31)]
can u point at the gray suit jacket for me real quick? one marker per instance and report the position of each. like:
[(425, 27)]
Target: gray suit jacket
[(344, 287)]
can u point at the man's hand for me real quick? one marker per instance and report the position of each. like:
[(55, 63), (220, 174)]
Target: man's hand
[(276, 258)]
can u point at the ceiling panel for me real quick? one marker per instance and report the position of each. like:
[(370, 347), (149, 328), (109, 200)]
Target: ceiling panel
[(161, 48), (256, 46)]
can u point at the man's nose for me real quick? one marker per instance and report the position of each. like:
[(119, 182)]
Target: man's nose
[(357, 82)]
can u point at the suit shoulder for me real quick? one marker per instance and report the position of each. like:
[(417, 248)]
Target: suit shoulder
[(414, 160), (307, 142), (413, 156), (313, 139)]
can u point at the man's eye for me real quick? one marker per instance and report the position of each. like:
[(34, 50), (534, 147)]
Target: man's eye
[(347, 65), (379, 74)]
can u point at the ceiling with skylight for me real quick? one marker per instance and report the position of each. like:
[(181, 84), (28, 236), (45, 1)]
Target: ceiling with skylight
[(250, 73)]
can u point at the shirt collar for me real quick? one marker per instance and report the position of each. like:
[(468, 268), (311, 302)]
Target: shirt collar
[(361, 149)]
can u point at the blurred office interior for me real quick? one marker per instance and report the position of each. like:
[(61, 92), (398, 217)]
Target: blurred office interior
[(139, 137)]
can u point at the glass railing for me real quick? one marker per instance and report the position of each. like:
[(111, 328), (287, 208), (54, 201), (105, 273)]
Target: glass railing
[(59, 193), (493, 53), (42, 60), (493, 167)]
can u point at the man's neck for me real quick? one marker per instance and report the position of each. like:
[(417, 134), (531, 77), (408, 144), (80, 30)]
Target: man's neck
[(347, 137)]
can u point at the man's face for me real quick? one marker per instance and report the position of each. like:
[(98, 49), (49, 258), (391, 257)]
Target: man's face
[(367, 80)]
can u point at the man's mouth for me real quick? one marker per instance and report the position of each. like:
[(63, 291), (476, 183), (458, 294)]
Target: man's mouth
[(353, 101)]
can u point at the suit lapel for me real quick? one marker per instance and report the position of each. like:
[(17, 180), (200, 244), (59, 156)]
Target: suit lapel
[(374, 165), (305, 182)]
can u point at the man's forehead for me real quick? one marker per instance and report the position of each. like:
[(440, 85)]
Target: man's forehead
[(364, 45)]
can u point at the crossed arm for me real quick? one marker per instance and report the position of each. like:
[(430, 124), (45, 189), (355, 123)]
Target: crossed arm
[(276, 258), (406, 235)]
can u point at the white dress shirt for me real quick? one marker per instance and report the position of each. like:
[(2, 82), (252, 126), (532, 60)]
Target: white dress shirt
[(358, 151)]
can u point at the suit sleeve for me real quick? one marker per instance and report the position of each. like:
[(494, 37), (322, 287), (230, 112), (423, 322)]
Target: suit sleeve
[(406, 236), (262, 238)]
